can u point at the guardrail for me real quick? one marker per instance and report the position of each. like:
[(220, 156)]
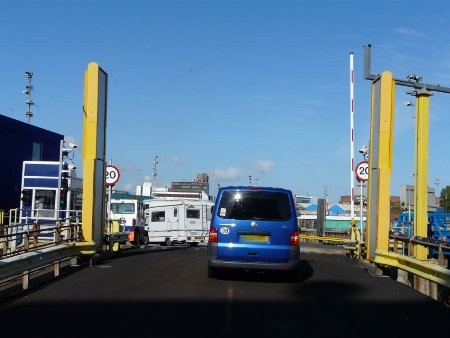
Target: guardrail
[(18, 239), (431, 277), (28, 248)]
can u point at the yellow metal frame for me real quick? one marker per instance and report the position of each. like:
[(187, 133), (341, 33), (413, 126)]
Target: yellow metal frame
[(94, 149), (427, 270), (380, 163), (421, 170)]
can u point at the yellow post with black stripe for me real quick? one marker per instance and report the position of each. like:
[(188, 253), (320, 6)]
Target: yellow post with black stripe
[(380, 164), (421, 170), (94, 149)]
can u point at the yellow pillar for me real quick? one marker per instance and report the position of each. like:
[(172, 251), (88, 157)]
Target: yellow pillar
[(380, 164), (421, 170), (94, 148)]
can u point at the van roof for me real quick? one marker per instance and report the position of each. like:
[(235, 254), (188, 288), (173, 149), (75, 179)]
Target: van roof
[(240, 187)]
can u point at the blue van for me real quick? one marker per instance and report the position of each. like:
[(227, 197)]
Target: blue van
[(253, 228)]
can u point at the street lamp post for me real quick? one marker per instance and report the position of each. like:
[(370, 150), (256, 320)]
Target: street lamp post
[(155, 173), (408, 191), (437, 180), (364, 151)]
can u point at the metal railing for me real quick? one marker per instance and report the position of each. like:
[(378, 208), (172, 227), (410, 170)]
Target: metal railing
[(431, 276), (19, 238), (30, 247)]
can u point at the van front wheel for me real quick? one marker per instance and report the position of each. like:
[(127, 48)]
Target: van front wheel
[(168, 242)]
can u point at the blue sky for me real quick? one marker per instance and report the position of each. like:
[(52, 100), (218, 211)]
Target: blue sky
[(230, 87)]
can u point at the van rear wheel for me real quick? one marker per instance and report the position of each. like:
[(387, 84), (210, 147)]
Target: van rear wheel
[(167, 242)]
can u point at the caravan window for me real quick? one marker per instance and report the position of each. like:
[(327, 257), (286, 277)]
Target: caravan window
[(193, 213), (158, 216)]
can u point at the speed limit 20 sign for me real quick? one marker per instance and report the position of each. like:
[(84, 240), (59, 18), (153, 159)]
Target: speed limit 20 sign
[(362, 171), (112, 175)]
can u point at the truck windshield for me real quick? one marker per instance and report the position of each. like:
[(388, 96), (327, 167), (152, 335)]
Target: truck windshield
[(122, 208)]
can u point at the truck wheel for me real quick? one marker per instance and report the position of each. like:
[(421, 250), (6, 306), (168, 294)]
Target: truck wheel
[(145, 241), (167, 242)]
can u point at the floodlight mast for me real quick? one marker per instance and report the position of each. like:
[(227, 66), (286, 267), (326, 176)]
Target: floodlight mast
[(155, 169), (27, 92)]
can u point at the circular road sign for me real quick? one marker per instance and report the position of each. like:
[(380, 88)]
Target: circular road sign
[(112, 175), (362, 171)]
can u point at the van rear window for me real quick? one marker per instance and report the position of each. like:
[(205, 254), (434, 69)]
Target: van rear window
[(259, 205)]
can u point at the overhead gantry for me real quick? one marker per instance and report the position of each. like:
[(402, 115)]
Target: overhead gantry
[(380, 159)]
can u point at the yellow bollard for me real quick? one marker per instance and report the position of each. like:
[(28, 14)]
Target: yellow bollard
[(115, 228)]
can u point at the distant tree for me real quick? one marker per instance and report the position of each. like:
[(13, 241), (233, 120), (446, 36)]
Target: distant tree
[(444, 200), (395, 206)]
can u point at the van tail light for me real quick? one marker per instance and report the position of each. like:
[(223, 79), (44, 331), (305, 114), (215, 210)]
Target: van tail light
[(295, 238), (134, 222), (213, 235)]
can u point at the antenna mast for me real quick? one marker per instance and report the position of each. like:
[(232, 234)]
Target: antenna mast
[(155, 169), (27, 92)]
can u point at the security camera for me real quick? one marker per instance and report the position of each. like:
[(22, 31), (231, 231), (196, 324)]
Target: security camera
[(73, 145), (364, 149), (72, 166), (414, 77)]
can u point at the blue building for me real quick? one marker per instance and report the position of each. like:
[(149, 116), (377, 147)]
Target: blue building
[(338, 209), (20, 141)]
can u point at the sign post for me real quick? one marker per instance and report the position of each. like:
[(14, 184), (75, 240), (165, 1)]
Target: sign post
[(111, 178), (112, 175), (362, 175), (362, 171)]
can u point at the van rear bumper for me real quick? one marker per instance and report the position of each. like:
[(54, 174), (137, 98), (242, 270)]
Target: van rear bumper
[(287, 266), (291, 264)]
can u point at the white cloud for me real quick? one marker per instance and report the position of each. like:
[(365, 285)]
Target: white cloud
[(129, 187), (227, 174), (264, 166), (408, 32), (177, 159)]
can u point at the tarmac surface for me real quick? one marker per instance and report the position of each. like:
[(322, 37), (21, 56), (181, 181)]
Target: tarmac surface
[(160, 291)]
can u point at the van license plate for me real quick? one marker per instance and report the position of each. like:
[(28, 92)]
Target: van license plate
[(254, 238)]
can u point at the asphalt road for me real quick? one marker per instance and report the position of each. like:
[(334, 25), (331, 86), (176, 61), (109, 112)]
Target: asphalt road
[(165, 292)]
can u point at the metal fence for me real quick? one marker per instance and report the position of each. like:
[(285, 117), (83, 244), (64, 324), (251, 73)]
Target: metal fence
[(27, 249)]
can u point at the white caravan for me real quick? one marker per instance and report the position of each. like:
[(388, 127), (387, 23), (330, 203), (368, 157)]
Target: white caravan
[(177, 220)]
